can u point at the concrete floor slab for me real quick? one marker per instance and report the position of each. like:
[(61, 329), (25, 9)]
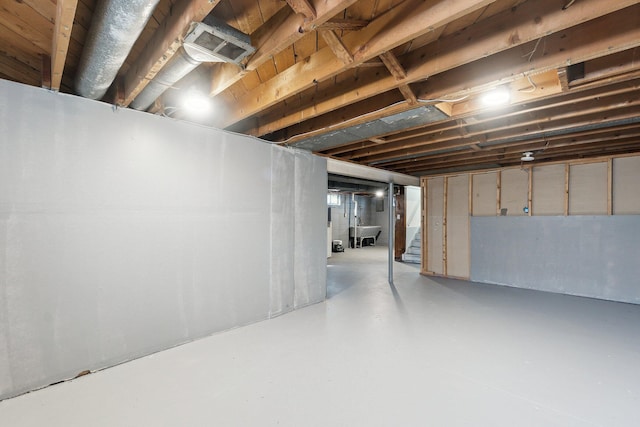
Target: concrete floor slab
[(428, 351)]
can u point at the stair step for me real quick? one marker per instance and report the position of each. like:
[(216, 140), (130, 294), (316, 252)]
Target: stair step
[(410, 258), (413, 251)]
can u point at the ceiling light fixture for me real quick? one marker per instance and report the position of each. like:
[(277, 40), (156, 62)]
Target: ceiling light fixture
[(495, 97), (196, 102), (379, 193), (527, 156)]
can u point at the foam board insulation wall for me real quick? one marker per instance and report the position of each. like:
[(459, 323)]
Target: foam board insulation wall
[(514, 191), (548, 190), (435, 210), (310, 221), (458, 226), (484, 194), (626, 191), (588, 189), (123, 233)]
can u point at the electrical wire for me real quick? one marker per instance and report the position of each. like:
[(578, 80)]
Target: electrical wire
[(535, 48), (532, 88)]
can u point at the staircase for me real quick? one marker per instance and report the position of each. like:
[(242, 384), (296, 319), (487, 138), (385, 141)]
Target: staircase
[(413, 252)]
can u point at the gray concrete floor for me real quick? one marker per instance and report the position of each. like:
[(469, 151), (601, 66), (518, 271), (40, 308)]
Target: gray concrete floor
[(428, 352)]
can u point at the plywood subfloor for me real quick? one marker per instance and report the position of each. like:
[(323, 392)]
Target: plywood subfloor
[(427, 352)]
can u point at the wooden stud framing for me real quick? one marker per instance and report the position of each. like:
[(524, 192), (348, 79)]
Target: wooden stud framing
[(530, 191), (424, 250), (566, 189), (609, 186), (469, 215), (444, 226), (471, 194), (498, 191)]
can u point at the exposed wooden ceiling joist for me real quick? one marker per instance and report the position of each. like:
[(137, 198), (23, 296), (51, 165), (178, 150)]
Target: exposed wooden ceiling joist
[(65, 13), (281, 31), (516, 30), (406, 21)]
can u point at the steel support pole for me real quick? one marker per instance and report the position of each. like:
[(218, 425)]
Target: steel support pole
[(392, 223)]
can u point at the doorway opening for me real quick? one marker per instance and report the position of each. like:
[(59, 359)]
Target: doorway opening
[(358, 225)]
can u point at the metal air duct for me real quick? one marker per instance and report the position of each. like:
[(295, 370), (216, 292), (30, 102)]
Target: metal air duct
[(178, 66), (209, 41), (116, 26)]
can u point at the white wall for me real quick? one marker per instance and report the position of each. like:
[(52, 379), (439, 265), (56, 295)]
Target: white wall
[(123, 233), (412, 207)]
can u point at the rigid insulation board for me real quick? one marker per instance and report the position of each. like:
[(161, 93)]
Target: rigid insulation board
[(626, 188), (458, 226), (514, 191), (435, 211), (124, 233), (592, 256), (548, 190), (588, 189), (282, 234), (310, 210), (484, 194)]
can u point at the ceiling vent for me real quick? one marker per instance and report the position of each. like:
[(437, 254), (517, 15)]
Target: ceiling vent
[(214, 41)]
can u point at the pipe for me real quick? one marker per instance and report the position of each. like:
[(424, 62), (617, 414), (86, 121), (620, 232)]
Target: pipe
[(116, 26), (179, 66), (392, 224)]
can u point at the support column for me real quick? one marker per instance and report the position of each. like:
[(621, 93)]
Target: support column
[(391, 232)]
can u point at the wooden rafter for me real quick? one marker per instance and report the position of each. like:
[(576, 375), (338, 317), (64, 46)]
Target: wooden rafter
[(408, 94), (343, 24), (393, 65), (336, 45), (608, 115), (65, 12), (401, 24), (278, 33), (303, 7), (412, 138), (397, 70), (454, 51)]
